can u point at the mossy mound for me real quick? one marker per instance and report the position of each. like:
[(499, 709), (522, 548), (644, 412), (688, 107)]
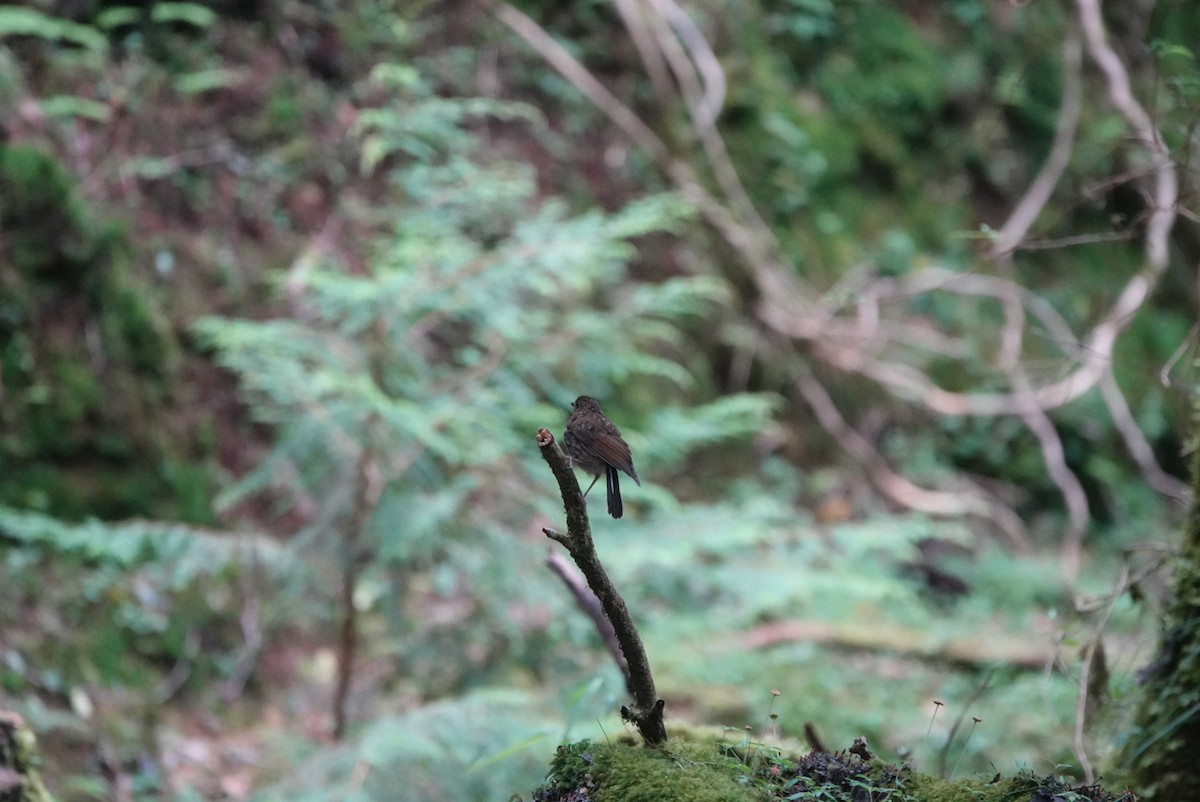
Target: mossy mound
[(697, 771), (85, 357), (687, 771)]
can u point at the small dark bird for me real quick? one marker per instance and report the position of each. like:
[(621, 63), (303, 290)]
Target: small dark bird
[(595, 445)]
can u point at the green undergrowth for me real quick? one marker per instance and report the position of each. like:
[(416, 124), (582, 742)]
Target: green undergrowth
[(86, 360), (706, 771)]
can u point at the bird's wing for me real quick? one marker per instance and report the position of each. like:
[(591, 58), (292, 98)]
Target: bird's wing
[(615, 451)]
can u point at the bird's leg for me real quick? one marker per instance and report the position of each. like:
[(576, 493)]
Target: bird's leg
[(593, 484)]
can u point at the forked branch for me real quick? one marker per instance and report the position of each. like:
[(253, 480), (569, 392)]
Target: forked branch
[(647, 710)]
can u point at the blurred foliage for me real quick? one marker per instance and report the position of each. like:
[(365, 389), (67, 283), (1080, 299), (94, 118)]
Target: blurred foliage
[(482, 290), (124, 598), (436, 363), (694, 769), (475, 746), (84, 353), (882, 140), (15, 21)]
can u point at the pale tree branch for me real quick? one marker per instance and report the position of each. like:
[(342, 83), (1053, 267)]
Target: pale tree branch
[(1013, 232), (568, 67), (1068, 484), (634, 20), (707, 105), (688, 66), (1038, 422), (1166, 185), (1135, 441), (870, 343), (753, 240), (893, 485)]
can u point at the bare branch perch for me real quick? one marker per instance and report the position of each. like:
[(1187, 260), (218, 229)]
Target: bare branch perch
[(647, 712)]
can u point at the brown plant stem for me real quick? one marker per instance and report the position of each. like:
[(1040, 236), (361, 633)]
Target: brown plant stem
[(366, 499), (347, 644), (647, 711)]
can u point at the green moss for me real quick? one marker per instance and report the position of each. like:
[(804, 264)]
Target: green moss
[(690, 770), (686, 771), (86, 358), (20, 759), (1159, 756), (46, 237), (1160, 752)]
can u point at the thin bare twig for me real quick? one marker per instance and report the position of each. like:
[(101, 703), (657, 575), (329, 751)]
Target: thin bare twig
[(895, 486), (752, 238), (369, 488), (579, 77), (1038, 422), (699, 101), (1166, 185), (1031, 204), (708, 104), (1064, 478), (1135, 441), (590, 605), (1094, 643), (633, 17)]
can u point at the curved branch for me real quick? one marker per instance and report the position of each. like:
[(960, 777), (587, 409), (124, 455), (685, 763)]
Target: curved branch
[(579, 77), (643, 40), (752, 239), (1095, 352), (1031, 204), (1064, 478), (895, 486), (1135, 441), (648, 713), (590, 605), (1166, 186), (706, 108)]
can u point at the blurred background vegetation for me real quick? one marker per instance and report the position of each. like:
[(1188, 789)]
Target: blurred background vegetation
[(894, 303)]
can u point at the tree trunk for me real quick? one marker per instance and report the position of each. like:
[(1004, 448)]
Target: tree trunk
[(1161, 753)]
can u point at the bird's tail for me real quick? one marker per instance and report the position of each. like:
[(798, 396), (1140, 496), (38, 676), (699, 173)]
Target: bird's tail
[(615, 508)]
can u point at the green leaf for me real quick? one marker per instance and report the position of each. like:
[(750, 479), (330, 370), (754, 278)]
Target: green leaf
[(75, 106), (188, 13), (116, 16), (28, 22), (201, 81)]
